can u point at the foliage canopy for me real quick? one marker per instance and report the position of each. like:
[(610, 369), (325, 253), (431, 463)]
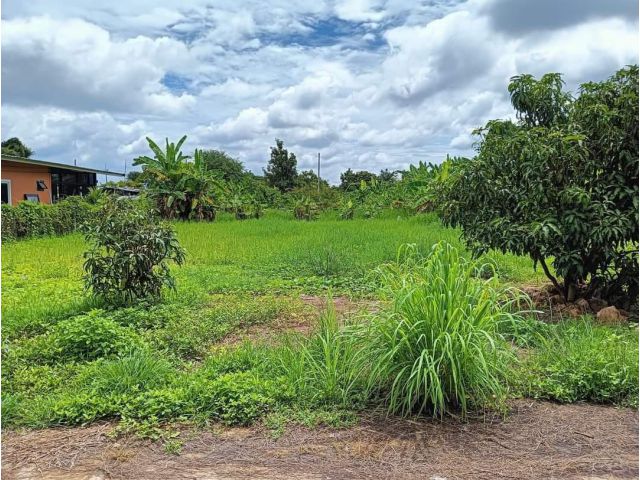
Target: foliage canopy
[(560, 183), (281, 171)]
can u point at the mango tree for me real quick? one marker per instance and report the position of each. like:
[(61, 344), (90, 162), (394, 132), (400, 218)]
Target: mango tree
[(559, 184)]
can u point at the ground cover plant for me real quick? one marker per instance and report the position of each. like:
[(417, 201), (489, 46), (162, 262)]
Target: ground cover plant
[(581, 361)]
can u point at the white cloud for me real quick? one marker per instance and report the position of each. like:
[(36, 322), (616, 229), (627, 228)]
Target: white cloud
[(74, 64), (369, 84)]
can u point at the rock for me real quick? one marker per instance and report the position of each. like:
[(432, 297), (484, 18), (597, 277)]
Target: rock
[(571, 310), (583, 305), (610, 316), (598, 304)]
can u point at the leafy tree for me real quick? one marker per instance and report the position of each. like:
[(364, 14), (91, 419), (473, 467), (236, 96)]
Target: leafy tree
[(15, 147), (560, 183), (387, 176), (222, 164), (281, 171), (350, 180), (135, 178), (308, 178), (129, 253)]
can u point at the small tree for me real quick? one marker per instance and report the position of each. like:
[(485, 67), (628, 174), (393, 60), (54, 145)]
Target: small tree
[(561, 183), (281, 171), (350, 180), (223, 165), (129, 253), (15, 147)]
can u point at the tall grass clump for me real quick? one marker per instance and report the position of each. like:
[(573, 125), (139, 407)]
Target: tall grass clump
[(326, 368), (438, 348)]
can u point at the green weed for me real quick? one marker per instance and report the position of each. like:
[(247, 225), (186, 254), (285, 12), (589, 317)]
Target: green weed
[(582, 361)]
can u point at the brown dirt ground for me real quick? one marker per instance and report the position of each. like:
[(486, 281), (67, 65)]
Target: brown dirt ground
[(537, 440), (302, 322)]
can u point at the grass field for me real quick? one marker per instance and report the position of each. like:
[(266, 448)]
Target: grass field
[(67, 359), (42, 278)]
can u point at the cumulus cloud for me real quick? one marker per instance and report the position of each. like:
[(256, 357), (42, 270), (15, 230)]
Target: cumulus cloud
[(370, 84), (516, 17), (74, 64)]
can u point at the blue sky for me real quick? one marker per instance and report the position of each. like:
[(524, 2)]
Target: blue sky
[(370, 84)]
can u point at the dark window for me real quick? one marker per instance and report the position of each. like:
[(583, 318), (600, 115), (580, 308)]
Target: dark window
[(66, 182), (41, 185), (32, 197), (5, 192)]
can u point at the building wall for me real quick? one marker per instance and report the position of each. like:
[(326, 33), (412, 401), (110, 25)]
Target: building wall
[(23, 180)]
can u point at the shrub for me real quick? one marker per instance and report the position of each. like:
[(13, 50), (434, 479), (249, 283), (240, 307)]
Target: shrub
[(305, 209), (130, 253), (28, 219), (581, 361), (561, 183), (438, 348)]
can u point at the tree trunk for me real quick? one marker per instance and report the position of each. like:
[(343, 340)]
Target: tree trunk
[(551, 277)]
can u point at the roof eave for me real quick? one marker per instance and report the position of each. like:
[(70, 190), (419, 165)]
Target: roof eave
[(44, 163)]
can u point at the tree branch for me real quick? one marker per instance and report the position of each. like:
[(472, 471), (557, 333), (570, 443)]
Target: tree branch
[(549, 276)]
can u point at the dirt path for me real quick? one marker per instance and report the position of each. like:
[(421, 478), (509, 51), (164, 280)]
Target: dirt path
[(538, 440)]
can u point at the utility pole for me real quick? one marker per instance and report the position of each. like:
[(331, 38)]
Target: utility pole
[(318, 172)]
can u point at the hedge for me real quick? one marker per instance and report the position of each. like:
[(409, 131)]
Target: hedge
[(28, 219)]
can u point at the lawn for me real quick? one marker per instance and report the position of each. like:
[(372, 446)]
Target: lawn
[(68, 359)]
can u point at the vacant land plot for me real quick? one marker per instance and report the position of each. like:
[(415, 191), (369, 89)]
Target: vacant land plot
[(229, 348)]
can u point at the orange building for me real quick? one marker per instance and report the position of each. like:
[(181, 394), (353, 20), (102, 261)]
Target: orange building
[(45, 182)]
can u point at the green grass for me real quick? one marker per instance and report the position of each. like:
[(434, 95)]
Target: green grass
[(438, 350), (41, 278), (578, 360), (70, 360)]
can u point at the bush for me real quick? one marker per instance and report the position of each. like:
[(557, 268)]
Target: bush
[(438, 349), (561, 183), (28, 219), (130, 253), (581, 361)]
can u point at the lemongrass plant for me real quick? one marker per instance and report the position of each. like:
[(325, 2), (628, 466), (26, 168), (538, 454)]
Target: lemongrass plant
[(438, 348)]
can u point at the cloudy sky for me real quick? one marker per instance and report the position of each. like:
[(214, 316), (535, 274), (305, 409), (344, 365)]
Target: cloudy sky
[(370, 84)]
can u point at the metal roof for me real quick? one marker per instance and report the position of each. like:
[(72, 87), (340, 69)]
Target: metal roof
[(75, 168)]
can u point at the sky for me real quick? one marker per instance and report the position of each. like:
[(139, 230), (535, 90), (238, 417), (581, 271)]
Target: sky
[(370, 84)]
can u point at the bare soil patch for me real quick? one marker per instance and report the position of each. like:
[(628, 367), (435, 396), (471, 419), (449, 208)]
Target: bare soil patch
[(537, 440), (301, 322)]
